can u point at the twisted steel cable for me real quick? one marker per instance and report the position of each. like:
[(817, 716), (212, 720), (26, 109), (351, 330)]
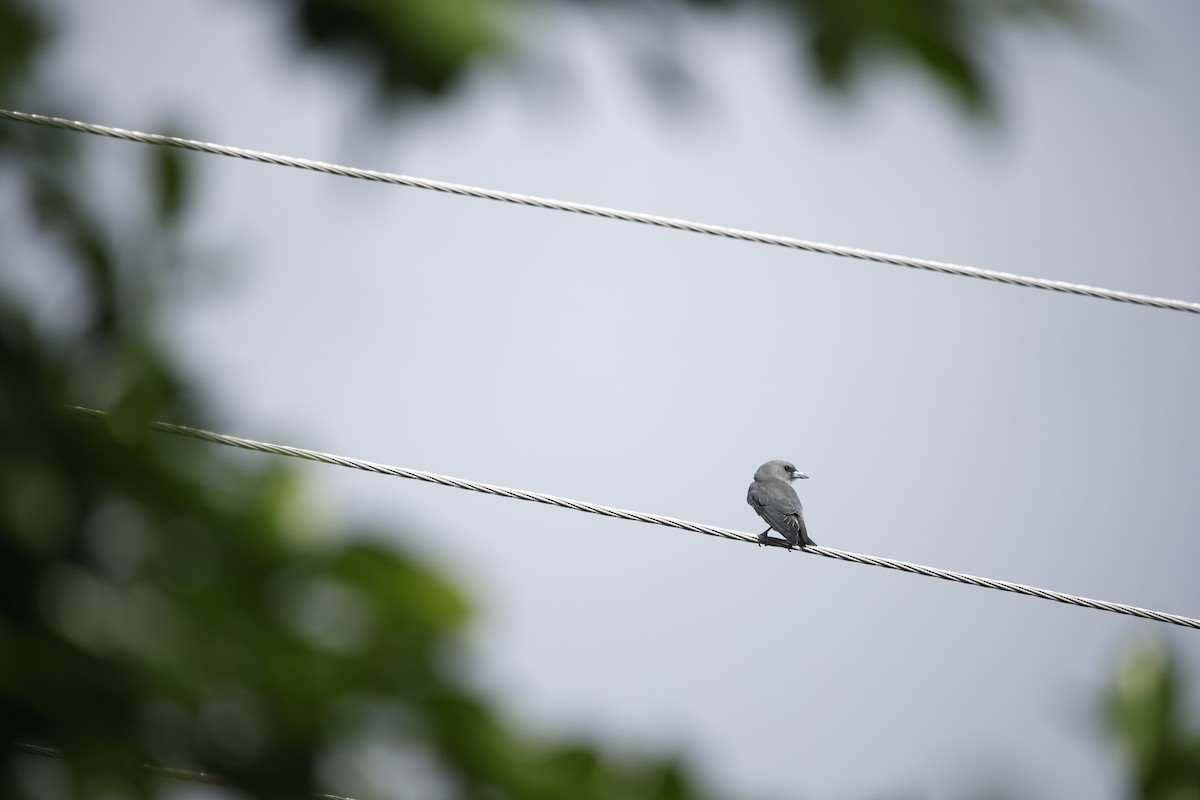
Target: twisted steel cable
[(608, 213), (176, 773), (657, 519)]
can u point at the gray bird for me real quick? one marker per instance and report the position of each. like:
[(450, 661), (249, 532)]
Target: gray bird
[(772, 496)]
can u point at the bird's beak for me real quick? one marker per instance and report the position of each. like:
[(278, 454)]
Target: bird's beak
[(800, 476)]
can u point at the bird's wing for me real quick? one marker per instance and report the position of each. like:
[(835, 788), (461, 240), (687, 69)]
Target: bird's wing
[(775, 502), (758, 497), (779, 506), (783, 498)]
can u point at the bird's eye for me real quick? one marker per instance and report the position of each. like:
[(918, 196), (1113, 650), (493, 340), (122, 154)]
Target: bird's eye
[(790, 468)]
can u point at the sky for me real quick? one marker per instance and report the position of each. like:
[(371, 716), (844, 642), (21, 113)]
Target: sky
[(1005, 432)]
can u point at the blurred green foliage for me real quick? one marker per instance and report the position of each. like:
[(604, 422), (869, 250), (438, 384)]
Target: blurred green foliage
[(948, 41), (1147, 714), (164, 602), (21, 33), (405, 45), (423, 46)]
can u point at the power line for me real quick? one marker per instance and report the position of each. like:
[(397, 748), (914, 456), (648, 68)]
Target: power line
[(601, 211), (176, 773), (656, 519)]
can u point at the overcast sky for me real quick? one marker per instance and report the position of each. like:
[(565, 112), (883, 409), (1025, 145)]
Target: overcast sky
[(1001, 431)]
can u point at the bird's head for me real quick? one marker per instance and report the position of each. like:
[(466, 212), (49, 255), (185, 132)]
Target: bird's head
[(779, 470)]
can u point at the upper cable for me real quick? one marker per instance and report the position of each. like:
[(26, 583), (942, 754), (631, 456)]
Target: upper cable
[(609, 213)]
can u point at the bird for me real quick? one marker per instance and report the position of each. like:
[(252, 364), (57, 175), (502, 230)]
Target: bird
[(772, 496)]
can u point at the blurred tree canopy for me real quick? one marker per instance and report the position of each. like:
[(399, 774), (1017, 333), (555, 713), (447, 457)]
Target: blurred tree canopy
[(164, 602), (1147, 714), (423, 46)]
